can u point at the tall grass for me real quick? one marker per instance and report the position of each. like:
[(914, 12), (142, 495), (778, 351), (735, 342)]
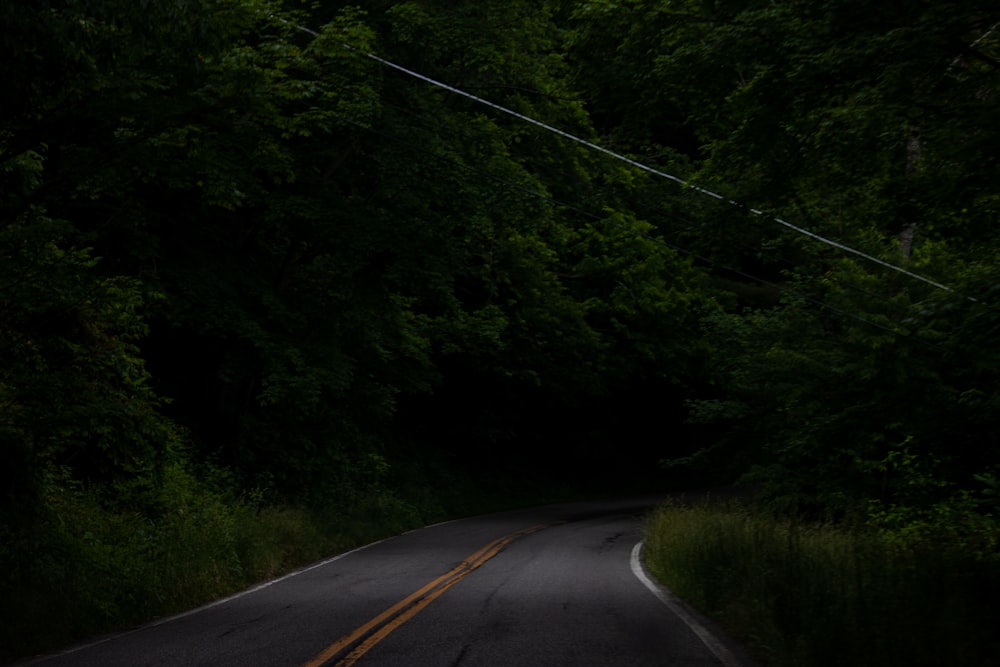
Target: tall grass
[(821, 595), (81, 567)]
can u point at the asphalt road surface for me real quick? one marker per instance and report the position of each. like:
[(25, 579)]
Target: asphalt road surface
[(556, 585)]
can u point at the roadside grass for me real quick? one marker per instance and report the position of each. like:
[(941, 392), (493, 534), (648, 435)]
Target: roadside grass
[(80, 568), (819, 595)]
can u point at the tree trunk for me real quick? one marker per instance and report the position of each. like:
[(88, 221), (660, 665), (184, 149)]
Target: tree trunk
[(913, 154)]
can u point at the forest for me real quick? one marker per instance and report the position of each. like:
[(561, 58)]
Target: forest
[(376, 262)]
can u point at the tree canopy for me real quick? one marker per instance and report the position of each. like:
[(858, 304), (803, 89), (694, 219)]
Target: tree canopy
[(228, 235)]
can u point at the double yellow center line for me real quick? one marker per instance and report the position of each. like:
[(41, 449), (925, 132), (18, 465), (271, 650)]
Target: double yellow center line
[(349, 648)]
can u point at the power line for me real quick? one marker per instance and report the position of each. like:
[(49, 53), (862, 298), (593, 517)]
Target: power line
[(644, 167), (668, 176)]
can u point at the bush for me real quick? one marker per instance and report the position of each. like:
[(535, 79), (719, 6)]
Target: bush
[(88, 562)]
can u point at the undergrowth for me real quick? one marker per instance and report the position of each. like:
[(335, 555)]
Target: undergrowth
[(79, 565), (817, 595)]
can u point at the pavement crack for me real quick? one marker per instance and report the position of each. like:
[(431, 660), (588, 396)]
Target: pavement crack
[(461, 655), (610, 541), (241, 626)]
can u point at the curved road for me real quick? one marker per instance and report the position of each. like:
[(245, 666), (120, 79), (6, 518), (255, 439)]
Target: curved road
[(556, 585)]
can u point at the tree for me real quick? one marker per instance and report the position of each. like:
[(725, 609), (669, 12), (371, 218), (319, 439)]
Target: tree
[(74, 391), (863, 125)]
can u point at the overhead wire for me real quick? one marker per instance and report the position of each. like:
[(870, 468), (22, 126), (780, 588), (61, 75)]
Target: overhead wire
[(639, 165), (652, 170), (671, 177)]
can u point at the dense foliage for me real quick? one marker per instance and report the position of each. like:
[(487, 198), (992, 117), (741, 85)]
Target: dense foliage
[(873, 127), (233, 244)]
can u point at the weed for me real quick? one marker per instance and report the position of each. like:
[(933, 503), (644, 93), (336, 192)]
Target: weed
[(818, 595)]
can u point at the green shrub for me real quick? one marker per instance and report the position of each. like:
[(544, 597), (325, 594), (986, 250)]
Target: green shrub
[(87, 562), (813, 595)]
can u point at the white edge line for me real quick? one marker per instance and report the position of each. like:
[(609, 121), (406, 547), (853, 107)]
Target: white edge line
[(197, 610), (673, 604), (434, 525)]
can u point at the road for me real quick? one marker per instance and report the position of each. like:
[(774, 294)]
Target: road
[(557, 585)]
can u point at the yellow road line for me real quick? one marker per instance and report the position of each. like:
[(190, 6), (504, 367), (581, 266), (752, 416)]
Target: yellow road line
[(385, 623)]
